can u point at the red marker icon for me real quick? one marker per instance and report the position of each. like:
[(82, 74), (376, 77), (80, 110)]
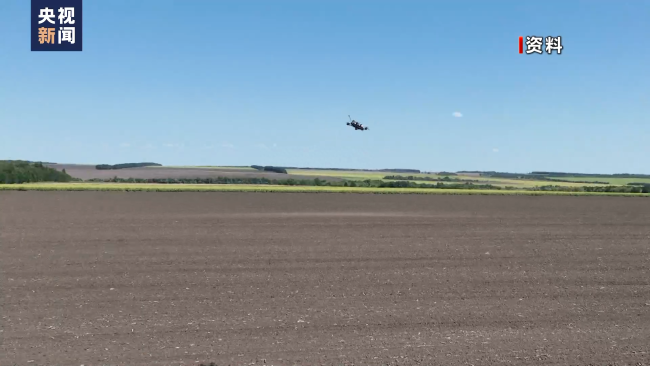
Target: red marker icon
[(521, 44)]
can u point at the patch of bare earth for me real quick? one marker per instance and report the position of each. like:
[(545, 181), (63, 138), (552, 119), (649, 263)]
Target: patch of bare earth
[(309, 279)]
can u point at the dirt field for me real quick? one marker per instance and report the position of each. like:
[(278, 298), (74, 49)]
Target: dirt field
[(181, 278), (89, 172)]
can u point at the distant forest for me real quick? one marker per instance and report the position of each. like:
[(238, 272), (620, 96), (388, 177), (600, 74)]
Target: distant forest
[(124, 166), (275, 169), (18, 171)]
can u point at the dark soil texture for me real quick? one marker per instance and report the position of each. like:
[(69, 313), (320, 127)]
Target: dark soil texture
[(86, 172), (118, 278)]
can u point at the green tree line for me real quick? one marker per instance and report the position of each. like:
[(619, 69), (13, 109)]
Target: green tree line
[(297, 182), (619, 189), (17, 171), (539, 175), (124, 166), (373, 184), (275, 169)]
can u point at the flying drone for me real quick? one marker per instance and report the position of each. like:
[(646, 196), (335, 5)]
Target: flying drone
[(356, 125)]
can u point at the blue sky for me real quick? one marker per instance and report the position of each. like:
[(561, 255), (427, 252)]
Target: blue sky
[(272, 83)]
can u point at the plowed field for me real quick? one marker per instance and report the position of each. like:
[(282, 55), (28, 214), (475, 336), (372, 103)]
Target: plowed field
[(113, 278), (90, 172)]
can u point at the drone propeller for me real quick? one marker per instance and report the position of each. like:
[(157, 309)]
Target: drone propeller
[(350, 118)]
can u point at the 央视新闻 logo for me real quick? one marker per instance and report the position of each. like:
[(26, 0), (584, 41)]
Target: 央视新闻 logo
[(56, 25)]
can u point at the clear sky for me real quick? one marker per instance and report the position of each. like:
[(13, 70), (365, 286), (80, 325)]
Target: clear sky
[(272, 83)]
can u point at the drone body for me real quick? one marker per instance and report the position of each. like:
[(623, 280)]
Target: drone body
[(356, 125)]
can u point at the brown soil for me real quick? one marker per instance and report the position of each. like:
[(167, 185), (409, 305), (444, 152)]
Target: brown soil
[(89, 172), (236, 278)]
